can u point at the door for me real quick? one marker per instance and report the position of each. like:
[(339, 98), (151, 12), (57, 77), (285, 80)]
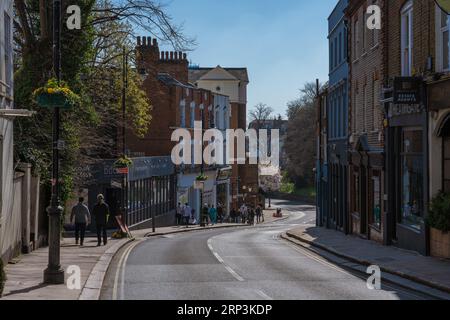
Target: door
[(446, 163)]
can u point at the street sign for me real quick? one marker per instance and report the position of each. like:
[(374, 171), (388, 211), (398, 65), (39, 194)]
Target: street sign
[(444, 5), (407, 90)]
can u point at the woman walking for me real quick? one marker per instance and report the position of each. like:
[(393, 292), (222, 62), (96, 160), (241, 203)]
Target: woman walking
[(213, 215)]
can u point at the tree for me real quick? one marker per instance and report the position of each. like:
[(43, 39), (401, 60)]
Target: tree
[(259, 114), (301, 137), (91, 64)]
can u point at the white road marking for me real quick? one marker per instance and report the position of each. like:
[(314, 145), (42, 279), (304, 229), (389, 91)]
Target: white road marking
[(219, 258), (122, 261), (263, 295)]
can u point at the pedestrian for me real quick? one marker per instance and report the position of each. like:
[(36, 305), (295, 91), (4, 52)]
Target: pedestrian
[(178, 215), (187, 214), (82, 219), (220, 214), (243, 211), (193, 221), (233, 215), (258, 214), (213, 215), (101, 214), (251, 216), (205, 213)]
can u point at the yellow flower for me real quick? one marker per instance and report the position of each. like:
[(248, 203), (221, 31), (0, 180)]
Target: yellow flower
[(50, 91)]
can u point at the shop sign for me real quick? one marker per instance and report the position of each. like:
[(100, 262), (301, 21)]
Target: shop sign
[(396, 110), (407, 90)]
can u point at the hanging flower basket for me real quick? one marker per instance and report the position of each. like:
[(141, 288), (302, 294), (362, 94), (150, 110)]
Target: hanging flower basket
[(54, 95), (123, 162), (201, 177)]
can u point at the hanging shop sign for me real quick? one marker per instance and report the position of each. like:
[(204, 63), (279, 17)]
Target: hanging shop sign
[(444, 5), (408, 90)]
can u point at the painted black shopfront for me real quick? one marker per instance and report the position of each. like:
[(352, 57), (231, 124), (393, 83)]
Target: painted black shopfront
[(150, 189), (407, 166)]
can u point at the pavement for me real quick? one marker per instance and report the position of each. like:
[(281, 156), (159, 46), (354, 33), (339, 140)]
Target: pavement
[(410, 265), (25, 274), (251, 263)]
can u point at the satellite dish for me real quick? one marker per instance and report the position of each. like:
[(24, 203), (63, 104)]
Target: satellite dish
[(444, 5)]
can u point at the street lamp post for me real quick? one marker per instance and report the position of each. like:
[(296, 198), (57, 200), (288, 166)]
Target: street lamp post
[(54, 274), (124, 96)]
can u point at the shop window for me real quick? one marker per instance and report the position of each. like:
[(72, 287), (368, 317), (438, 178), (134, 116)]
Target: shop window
[(376, 205), (412, 179), (356, 189), (446, 186)]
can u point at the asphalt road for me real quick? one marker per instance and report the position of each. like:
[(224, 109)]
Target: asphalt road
[(236, 264)]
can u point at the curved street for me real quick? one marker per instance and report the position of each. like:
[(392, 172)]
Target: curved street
[(251, 263)]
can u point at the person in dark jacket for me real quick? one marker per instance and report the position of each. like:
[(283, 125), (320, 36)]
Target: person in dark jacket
[(101, 213), (82, 218)]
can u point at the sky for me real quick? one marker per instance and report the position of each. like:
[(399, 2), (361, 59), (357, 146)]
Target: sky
[(283, 43)]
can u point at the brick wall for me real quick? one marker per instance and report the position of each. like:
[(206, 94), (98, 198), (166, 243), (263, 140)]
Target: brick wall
[(366, 70)]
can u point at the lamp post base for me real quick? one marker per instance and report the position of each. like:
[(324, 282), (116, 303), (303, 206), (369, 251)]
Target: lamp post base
[(54, 276)]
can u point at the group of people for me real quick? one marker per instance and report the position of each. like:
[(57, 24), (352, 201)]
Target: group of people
[(247, 214), (185, 215), (82, 218)]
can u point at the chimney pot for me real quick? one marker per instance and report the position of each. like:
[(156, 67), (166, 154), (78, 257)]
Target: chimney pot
[(144, 41), (139, 41), (184, 56), (149, 41), (167, 55), (155, 42), (171, 55)]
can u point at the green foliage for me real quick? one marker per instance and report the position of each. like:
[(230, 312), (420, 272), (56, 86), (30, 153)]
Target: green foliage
[(201, 177), (439, 214), (123, 162), (2, 277), (53, 91)]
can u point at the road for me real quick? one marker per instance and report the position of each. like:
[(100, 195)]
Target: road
[(237, 264)]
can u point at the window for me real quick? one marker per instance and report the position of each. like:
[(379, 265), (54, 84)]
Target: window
[(412, 177), (8, 55), (407, 38), (364, 32), (376, 207), (183, 114), (331, 55), (443, 39), (446, 152), (335, 52), (340, 47), (375, 111), (356, 41), (364, 109)]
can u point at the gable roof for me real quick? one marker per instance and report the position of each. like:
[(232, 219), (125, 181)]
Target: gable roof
[(218, 73)]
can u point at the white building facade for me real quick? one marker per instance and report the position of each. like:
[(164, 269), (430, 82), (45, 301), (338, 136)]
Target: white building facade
[(10, 236)]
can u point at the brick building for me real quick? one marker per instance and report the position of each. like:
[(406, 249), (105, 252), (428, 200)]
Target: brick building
[(179, 104), (366, 138), (232, 82)]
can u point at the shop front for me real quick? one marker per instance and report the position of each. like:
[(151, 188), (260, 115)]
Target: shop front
[(366, 189), (148, 190), (223, 189), (407, 166), (439, 156), (188, 191)]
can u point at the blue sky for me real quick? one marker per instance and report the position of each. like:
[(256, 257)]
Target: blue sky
[(282, 43)]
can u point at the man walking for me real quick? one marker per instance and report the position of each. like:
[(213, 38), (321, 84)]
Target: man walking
[(178, 215), (187, 214), (82, 218), (258, 214), (101, 213)]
